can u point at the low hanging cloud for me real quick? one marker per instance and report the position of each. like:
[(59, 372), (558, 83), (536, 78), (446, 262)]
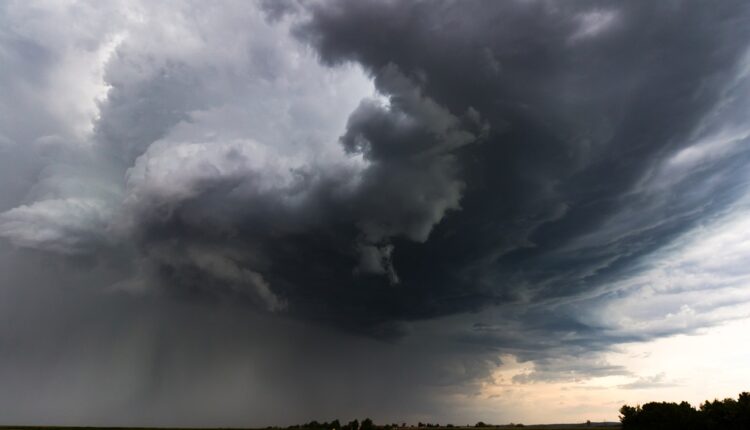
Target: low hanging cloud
[(649, 382), (67, 226)]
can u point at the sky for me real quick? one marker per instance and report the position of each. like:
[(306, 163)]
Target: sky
[(264, 213)]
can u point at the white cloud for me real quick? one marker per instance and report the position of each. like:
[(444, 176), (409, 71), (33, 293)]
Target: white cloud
[(702, 279), (593, 23), (221, 101), (67, 226)]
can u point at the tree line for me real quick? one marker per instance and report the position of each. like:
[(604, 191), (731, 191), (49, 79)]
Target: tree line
[(366, 424), (727, 414)]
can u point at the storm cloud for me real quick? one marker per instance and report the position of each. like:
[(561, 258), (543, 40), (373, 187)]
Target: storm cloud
[(449, 182)]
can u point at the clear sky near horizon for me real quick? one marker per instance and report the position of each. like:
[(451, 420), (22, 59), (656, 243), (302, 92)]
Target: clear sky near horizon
[(241, 213)]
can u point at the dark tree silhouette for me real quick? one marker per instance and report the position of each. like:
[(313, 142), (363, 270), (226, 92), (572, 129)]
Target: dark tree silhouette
[(727, 414), (367, 425)]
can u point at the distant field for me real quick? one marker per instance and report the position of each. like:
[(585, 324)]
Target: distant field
[(596, 426), (593, 426)]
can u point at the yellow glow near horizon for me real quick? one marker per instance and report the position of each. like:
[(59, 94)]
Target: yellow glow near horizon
[(694, 368)]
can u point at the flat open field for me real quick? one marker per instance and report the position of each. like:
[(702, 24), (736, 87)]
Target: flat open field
[(594, 426)]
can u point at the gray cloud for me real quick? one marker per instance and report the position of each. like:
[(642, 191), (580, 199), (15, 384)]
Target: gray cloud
[(649, 382), (452, 180), (565, 369), (561, 196)]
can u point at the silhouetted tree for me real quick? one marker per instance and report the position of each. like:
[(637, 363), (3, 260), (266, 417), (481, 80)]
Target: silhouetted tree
[(727, 414), (367, 424)]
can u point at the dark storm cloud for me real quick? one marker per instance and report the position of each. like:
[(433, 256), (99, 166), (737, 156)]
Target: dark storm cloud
[(496, 195), (521, 152), (583, 102), (334, 227)]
